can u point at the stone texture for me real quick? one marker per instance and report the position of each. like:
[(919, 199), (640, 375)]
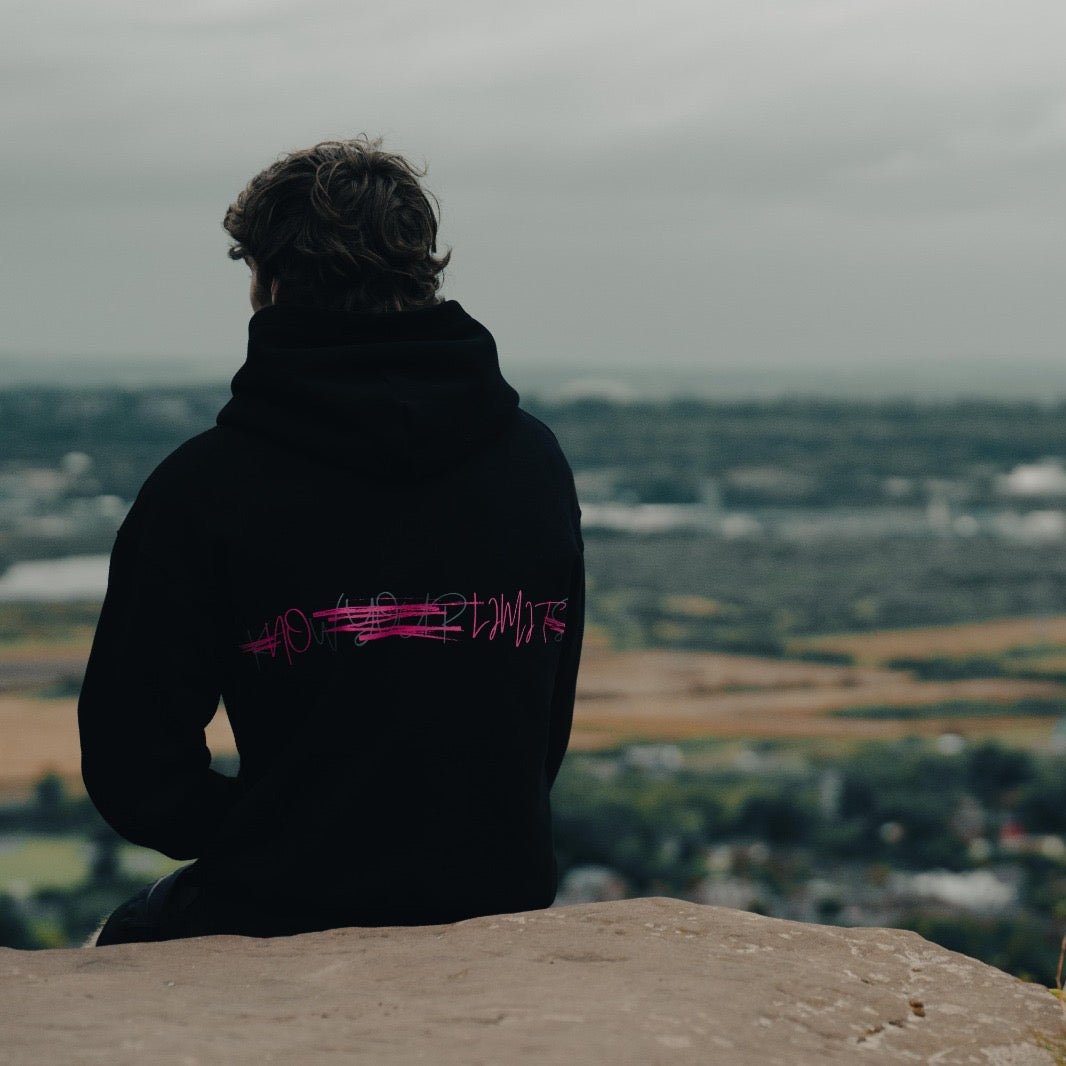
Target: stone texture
[(641, 981)]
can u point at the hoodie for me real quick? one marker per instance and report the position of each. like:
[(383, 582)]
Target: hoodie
[(374, 557)]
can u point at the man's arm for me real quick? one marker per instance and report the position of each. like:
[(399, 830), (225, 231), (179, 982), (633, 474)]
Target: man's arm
[(151, 685), (565, 690)]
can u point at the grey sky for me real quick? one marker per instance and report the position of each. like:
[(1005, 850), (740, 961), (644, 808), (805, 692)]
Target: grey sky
[(726, 184)]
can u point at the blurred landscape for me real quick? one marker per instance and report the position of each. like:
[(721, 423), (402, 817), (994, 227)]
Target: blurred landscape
[(824, 674)]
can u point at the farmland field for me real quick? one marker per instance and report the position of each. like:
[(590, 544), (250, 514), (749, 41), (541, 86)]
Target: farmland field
[(63, 861), (997, 636)]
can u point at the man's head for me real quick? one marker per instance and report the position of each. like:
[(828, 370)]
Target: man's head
[(342, 224)]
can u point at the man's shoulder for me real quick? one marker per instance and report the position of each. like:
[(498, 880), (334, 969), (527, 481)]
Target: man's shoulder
[(541, 434), (184, 477), (551, 454), (195, 457)]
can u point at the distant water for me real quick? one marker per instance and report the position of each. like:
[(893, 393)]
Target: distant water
[(73, 577)]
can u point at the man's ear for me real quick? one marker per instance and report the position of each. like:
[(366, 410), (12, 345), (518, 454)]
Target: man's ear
[(274, 291)]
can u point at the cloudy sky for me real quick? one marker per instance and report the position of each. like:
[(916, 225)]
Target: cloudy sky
[(716, 184)]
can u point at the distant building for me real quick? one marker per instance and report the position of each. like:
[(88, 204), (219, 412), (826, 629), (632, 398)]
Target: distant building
[(662, 758), (1044, 478), (591, 883), (980, 891)]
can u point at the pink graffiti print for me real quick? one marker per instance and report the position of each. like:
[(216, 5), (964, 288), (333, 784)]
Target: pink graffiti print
[(446, 618)]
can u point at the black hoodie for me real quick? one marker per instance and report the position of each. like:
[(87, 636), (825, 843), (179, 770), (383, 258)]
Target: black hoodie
[(375, 559)]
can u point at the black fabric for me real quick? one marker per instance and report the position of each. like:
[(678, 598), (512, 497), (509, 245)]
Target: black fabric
[(155, 913), (375, 558)]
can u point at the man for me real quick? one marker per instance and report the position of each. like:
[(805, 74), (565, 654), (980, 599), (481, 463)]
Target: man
[(375, 558)]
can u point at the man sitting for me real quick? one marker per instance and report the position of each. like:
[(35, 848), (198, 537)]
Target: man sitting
[(374, 557)]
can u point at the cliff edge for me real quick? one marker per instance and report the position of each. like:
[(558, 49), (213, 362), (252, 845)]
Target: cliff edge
[(639, 981)]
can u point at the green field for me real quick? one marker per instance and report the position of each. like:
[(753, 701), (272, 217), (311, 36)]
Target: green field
[(29, 862)]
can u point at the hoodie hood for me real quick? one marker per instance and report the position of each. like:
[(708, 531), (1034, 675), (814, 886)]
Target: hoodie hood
[(393, 395)]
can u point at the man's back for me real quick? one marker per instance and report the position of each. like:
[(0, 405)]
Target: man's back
[(375, 557)]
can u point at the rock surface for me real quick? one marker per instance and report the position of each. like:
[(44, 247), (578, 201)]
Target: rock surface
[(641, 981)]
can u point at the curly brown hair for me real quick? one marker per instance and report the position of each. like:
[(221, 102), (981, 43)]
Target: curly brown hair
[(342, 224)]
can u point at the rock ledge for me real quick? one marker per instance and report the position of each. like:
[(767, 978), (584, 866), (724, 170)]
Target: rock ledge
[(640, 981)]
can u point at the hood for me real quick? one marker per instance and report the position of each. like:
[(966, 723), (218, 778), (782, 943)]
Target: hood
[(397, 395)]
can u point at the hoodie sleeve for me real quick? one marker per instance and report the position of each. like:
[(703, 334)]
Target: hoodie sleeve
[(152, 683), (564, 693)]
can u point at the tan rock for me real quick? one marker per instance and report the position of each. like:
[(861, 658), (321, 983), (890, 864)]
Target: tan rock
[(640, 981)]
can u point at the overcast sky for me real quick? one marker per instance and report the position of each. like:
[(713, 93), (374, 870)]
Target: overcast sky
[(714, 184)]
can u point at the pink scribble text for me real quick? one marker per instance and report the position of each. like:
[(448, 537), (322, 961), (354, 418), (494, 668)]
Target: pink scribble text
[(447, 618)]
